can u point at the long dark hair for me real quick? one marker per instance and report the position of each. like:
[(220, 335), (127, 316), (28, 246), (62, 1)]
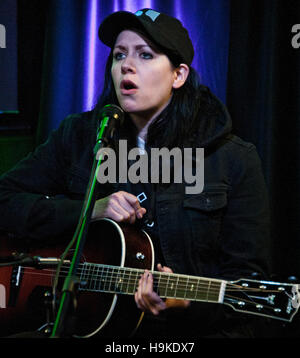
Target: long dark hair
[(181, 122)]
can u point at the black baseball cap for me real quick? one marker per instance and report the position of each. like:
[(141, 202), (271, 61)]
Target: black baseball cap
[(165, 31)]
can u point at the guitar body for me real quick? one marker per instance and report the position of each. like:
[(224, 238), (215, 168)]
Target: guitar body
[(114, 258), (23, 290)]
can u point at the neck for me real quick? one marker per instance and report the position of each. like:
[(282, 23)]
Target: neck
[(142, 125), (143, 120)]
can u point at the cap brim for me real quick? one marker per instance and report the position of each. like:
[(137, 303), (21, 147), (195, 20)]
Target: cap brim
[(116, 23)]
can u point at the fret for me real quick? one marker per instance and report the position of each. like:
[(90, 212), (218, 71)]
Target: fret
[(126, 280), (207, 291), (83, 278), (91, 275), (167, 284), (215, 291), (104, 279), (161, 285), (110, 287), (186, 287), (100, 276), (95, 277), (87, 275), (207, 296), (110, 280), (130, 285), (122, 280), (136, 281), (170, 290), (119, 281), (156, 279), (176, 294), (191, 290)]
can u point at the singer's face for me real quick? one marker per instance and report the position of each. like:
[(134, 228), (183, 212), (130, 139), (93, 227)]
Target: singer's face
[(142, 76)]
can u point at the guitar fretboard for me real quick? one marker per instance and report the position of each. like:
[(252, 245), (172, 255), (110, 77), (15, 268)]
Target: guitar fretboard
[(123, 280)]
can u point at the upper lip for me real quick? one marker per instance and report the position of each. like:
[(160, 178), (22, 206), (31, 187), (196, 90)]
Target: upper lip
[(126, 84)]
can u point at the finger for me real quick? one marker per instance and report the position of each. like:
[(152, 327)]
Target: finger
[(151, 300), (139, 295), (164, 268), (114, 208), (135, 204), (138, 301), (120, 203), (107, 208), (125, 205), (114, 215)]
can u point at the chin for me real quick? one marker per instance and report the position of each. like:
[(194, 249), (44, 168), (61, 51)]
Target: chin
[(127, 106), (130, 108)]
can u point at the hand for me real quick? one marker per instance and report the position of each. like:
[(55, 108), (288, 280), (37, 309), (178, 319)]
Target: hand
[(120, 206), (148, 300)]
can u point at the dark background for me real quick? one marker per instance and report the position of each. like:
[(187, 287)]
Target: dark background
[(8, 56)]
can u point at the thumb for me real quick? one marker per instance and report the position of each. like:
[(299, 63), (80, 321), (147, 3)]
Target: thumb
[(163, 268)]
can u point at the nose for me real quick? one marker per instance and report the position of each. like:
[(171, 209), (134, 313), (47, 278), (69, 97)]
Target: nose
[(128, 65)]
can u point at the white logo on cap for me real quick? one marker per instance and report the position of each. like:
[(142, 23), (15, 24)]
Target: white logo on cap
[(151, 13)]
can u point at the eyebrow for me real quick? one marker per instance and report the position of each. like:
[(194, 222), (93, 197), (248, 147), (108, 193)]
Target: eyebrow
[(138, 47)]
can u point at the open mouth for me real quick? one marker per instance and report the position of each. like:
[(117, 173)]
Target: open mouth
[(127, 85)]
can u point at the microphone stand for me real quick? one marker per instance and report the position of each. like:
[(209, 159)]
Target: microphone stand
[(68, 298)]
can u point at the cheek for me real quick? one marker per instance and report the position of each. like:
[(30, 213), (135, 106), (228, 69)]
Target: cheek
[(114, 75), (162, 84)]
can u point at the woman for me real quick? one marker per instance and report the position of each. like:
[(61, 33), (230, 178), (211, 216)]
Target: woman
[(221, 232)]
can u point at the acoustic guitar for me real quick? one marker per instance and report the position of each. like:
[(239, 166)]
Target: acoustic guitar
[(114, 258)]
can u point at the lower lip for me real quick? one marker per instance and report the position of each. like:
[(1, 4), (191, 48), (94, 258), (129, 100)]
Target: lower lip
[(128, 91)]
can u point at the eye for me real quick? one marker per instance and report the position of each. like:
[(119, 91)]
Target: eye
[(119, 55), (146, 55)]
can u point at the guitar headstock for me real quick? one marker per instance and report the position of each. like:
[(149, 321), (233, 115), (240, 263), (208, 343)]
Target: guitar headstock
[(264, 298)]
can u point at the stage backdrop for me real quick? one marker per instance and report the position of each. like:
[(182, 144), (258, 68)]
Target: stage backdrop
[(8, 56), (75, 58), (263, 97)]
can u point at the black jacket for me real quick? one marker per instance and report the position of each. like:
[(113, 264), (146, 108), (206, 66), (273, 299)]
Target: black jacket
[(222, 232)]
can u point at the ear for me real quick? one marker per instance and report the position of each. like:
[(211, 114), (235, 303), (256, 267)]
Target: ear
[(180, 75)]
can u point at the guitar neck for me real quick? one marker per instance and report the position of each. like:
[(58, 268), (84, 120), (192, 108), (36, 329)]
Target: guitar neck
[(264, 298), (114, 279)]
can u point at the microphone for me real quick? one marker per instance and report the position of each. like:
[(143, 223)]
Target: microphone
[(111, 118), (30, 261)]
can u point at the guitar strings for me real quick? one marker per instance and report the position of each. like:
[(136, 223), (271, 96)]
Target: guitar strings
[(198, 291), (130, 280), (95, 277)]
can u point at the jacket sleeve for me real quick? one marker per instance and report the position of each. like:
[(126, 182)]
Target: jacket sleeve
[(33, 203)]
